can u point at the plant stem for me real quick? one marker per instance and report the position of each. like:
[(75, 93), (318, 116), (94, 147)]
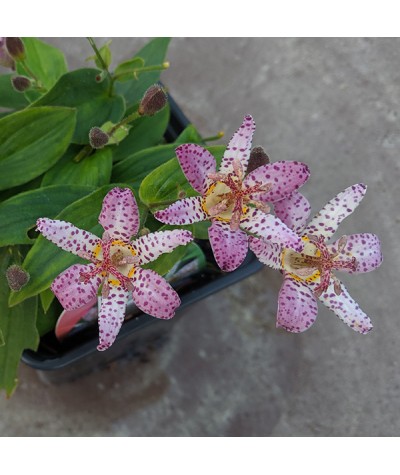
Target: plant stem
[(130, 118), (219, 135), (84, 152), (101, 60)]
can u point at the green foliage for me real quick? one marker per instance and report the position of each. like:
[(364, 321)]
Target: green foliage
[(127, 70), (90, 98), (46, 62), (106, 56), (19, 214), (94, 170), (9, 97), (152, 54), (145, 132), (18, 329), (31, 141)]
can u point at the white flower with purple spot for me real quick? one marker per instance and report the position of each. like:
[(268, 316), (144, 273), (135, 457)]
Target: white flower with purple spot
[(236, 204), (115, 265), (309, 275)]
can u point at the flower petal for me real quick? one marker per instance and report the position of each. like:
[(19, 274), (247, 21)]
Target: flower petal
[(270, 228), (326, 222), (365, 247), (229, 247), (153, 294), (285, 177), (239, 146), (68, 237), (186, 211), (267, 252), (151, 246), (111, 316), (293, 211), (297, 307), (69, 318), (346, 309), (196, 163), (119, 214), (71, 291)]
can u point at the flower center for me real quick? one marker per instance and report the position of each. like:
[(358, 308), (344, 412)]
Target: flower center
[(227, 198), (115, 262), (317, 262)]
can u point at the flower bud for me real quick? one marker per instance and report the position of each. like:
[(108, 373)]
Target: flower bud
[(257, 158), (21, 83), (153, 101), (181, 194), (16, 277), (15, 48), (98, 138), (144, 231), (5, 59)]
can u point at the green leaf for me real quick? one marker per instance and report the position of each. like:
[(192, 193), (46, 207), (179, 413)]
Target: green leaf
[(19, 213), (105, 53), (152, 54), (94, 170), (46, 319), (45, 61), (192, 262), (190, 135), (145, 132), (46, 299), (79, 89), (2, 341), (16, 190), (125, 71), (45, 260), (133, 169), (9, 97), (18, 326), (31, 141), (167, 182)]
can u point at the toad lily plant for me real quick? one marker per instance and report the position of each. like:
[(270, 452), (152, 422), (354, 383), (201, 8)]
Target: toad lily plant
[(237, 205), (114, 265), (308, 275)]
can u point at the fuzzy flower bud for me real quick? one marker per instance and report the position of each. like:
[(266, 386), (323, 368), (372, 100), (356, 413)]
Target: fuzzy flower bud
[(5, 59), (153, 101), (16, 277), (15, 48), (98, 138), (258, 157), (21, 83)]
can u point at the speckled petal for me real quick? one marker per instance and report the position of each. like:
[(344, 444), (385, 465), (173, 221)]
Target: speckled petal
[(365, 247), (153, 294), (229, 247), (285, 178), (186, 211), (68, 237), (326, 222), (293, 211), (111, 316), (267, 252), (297, 307), (271, 228), (152, 245), (119, 214), (346, 309), (239, 146), (196, 163), (70, 291)]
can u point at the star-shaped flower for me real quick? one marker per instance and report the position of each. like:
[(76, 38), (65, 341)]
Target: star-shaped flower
[(309, 275), (114, 266), (236, 204)]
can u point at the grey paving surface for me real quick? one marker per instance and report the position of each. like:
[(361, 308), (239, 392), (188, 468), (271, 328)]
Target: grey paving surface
[(333, 103)]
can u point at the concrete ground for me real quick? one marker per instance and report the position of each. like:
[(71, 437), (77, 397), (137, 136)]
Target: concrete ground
[(227, 371)]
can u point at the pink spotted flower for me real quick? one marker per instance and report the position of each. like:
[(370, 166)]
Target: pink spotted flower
[(235, 203), (310, 274), (115, 265)]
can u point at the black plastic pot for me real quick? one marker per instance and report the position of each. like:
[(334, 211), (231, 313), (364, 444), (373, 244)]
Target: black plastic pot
[(77, 355)]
